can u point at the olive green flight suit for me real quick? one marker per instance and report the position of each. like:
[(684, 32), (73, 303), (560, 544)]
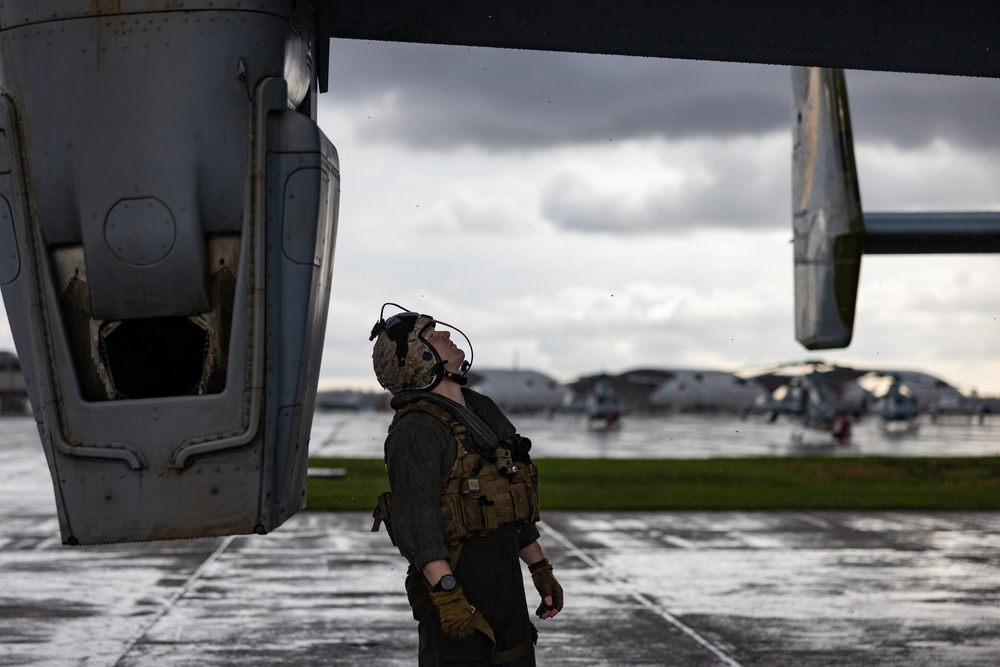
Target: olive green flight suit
[(419, 453)]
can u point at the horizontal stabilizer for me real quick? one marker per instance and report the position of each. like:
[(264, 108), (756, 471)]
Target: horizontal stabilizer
[(931, 233)]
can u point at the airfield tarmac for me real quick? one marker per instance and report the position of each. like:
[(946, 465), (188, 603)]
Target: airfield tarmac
[(673, 588), (361, 435)]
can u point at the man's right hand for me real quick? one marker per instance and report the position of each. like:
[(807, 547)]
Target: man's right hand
[(459, 619)]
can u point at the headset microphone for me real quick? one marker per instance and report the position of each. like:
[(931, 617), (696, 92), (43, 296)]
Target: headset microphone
[(461, 380)]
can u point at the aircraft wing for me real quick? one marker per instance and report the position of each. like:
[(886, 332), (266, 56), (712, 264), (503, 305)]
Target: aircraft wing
[(891, 35)]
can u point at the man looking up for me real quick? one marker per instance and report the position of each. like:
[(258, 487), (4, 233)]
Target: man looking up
[(463, 502)]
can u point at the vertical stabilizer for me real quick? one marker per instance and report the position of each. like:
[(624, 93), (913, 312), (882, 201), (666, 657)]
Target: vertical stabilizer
[(826, 209)]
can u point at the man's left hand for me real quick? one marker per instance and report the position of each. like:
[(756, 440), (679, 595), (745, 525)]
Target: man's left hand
[(547, 586)]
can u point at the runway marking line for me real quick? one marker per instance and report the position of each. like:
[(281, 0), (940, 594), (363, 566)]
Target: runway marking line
[(639, 597), (172, 600)]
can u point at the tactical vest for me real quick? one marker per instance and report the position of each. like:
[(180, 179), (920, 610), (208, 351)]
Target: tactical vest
[(477, 495)]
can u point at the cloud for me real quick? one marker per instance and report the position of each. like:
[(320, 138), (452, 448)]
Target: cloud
[(916, 110), (675, 187), (434, 97), (578, 330), (938, 310), (573, 304), (933, 176), (443, 97)]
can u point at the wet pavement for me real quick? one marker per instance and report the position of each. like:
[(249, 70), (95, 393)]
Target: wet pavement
[(678, 588)]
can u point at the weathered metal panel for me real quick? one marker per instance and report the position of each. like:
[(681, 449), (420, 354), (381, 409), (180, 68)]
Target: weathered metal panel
[(158, 112), (14, 13), (826, 210), (10, 256), (142, 129), (890, 35), (301, 237)]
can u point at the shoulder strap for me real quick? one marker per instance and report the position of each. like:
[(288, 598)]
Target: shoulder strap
[(451, 413), (423, 406), (484, 436)]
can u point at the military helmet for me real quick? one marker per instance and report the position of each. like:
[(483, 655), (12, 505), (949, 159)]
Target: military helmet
[(403, 359)]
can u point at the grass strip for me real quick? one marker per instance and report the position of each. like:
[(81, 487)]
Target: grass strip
[(801, 483)]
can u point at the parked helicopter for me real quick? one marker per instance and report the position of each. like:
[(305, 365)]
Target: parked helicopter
[(824, 398), (812, 394), (602, 407), (901, 396)]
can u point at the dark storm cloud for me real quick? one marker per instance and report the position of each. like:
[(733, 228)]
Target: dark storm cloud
[(913, 110), (441, 97)]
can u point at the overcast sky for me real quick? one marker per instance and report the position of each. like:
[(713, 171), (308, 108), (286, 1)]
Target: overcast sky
[(576, 214)]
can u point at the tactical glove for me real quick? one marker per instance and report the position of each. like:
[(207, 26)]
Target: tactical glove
[(459, 619), (546, 584)]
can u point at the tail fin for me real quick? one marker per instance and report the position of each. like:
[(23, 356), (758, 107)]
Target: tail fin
[(826, 209)]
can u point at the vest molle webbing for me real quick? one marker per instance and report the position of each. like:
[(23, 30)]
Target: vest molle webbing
[(475, 496)]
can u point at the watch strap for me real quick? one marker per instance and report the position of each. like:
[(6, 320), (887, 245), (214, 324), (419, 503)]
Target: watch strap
[(446, 583)]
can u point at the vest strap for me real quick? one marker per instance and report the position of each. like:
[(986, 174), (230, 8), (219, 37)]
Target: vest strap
[(512, 654)]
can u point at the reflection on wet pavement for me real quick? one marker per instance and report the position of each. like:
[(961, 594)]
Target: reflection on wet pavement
[(361, 434)]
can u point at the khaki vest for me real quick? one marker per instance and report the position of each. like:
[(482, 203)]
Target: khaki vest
[(477, 495)]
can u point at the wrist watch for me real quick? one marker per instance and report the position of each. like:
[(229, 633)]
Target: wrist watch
[(447, 583)]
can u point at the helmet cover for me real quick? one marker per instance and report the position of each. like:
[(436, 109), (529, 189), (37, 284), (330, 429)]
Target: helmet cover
[(419, 367)]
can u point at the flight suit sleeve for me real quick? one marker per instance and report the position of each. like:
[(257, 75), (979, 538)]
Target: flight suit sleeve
[(528, 534), (416, 458)]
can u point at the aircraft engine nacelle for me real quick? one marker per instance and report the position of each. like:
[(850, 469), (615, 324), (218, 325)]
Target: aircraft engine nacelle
[(168, 212), (826, 210)]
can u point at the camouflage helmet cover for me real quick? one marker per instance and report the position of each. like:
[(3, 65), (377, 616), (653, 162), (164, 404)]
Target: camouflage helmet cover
[(420, 368)]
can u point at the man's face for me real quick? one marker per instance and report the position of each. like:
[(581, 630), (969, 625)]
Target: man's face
[(446, 349)]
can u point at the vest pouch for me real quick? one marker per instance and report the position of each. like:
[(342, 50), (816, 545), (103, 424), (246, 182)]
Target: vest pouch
[(526, 481), (383, 514), (453, 518), (471, 513), (519, 493)]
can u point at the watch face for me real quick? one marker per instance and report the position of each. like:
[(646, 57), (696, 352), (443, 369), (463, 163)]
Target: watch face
[(448, 583)]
